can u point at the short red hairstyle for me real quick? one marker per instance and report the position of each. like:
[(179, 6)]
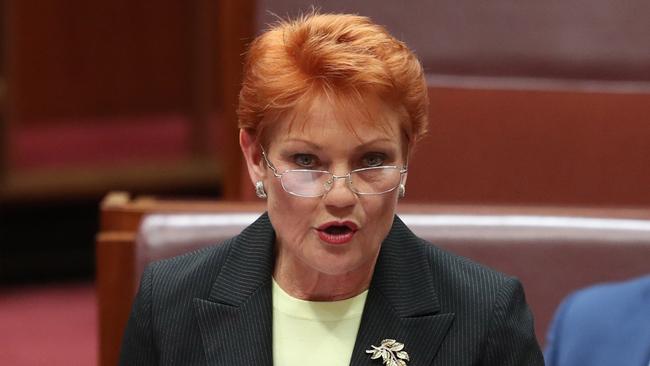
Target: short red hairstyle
[(341, 55)]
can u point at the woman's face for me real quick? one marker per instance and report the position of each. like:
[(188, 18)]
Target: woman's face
[(340, 232)]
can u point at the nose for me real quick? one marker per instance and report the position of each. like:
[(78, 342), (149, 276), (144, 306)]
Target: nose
[(339, 194)]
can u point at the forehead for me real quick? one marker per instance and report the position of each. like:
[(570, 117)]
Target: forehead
[(339, 121)]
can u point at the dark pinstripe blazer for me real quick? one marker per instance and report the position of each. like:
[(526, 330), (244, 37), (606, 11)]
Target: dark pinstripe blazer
[(213, 307)]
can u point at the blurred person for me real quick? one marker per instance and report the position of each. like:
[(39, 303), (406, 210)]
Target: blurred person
[(330, 110), (606, 324)]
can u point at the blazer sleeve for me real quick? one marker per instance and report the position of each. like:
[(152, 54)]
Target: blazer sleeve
[(138, 347), (511, 340)]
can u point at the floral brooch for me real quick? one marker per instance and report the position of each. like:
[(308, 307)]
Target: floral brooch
[(391, 352)]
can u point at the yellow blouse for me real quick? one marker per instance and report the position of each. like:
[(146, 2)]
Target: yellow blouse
[(314, 332)]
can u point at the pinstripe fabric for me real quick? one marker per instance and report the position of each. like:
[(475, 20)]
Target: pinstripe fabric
[(213, 307)]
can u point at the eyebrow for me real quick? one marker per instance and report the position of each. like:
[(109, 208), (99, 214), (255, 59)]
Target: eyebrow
[(360, 147), (375, 141), (311, 144)]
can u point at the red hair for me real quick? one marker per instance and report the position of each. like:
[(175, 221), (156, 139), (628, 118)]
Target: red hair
[(339, 55)]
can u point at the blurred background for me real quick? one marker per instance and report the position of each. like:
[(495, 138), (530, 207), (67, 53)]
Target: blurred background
[(532, 104)]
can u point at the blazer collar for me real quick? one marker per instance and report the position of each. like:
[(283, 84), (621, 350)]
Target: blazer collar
[(236, 319)]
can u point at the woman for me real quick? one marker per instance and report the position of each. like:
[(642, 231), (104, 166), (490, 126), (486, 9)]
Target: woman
[(330, 108)]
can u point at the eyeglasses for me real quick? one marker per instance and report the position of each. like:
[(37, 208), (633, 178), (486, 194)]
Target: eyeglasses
[(316, 183)]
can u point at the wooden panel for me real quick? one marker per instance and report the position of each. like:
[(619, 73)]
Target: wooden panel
[(542, 147), (93, 182), (586, 39), (115, 273), (115, 289), (236, 29), (4, 140), (79, 58), (97, 64)]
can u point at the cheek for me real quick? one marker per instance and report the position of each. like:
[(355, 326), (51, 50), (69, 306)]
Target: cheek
[(380, 214), (386, 206), (291, 216)]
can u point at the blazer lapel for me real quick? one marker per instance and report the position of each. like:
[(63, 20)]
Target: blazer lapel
[(402, 303), (235, 320)]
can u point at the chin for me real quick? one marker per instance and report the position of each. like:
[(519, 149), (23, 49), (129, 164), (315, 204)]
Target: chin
[(341, 265)]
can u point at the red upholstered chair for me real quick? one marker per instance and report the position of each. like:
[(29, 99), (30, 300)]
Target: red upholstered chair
[(552, 250)]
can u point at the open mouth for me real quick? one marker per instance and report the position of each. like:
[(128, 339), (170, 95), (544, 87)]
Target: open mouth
[(337, 232)]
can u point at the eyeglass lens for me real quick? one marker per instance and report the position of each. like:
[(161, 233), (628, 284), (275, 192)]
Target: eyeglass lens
[(364, 181)]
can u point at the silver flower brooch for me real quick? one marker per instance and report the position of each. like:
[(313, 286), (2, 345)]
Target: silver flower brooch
[(391, 352)]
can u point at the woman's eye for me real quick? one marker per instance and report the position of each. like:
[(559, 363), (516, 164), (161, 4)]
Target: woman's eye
[(373, 160), (304, 160)]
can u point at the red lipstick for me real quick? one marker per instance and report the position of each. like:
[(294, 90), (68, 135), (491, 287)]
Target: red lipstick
[(337, 232)]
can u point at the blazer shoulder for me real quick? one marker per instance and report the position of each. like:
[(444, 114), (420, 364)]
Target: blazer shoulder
[(491, 314), (194, 271), (461, 268), (444, 265), (460, 280), (194, 274)]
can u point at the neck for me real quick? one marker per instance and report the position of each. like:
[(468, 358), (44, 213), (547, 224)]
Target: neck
[(311, 285)]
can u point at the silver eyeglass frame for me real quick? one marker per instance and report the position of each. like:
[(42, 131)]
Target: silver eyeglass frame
[(330, 182)]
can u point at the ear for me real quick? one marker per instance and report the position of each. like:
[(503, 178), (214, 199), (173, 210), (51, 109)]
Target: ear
[(253, 155)]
